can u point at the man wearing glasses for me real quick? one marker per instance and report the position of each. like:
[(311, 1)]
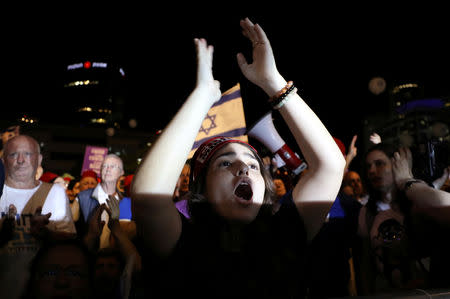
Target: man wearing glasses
[(103, 194)]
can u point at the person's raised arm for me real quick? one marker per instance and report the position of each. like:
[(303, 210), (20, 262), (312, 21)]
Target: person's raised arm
[(155, 180), (433, 201), (317, 190), (351, 154)]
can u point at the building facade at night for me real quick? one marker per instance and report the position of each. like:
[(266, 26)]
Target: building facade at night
[(87, 109)]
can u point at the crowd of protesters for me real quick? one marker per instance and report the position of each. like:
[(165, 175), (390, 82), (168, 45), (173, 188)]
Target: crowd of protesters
[(226, 222)]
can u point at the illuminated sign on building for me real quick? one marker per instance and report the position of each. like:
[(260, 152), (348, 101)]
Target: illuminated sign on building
[(87, 65), (422, 103)]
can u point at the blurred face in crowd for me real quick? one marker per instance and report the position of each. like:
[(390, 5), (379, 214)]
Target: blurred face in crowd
[(379, 171), (234, 183), (87, 183), (280, 189), (21, 158), (184, 178), (73, 191), (10, 133), (353, 180), (107, 274), (62, 273), (112, 169)]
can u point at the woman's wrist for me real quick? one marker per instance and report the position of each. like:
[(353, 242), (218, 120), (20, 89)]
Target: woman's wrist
[(274, 85), (211, 90), (282, 96)]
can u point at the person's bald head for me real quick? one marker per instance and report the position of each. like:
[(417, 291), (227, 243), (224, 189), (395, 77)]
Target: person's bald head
[(22, 157), (23, 138), (353, 180)]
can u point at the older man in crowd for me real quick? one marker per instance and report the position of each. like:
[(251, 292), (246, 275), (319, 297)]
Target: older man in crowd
[(30, 210), (91, 199)]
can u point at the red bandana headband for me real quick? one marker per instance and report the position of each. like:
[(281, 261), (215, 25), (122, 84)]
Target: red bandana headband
[(207, 149)]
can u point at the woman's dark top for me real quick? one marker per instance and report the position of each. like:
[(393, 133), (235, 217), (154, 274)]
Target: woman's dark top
[(270, 262)]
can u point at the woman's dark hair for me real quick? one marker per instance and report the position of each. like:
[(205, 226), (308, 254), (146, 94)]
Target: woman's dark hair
[(387, 148), (375, 195), (72, 183), (197, 189)]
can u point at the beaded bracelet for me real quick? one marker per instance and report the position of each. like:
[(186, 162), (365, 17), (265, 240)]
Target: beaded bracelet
[(284, 99), (288, 85), (278, 100)]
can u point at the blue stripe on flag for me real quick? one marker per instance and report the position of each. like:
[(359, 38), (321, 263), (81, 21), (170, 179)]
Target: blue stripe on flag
[(228, 97), (232, 133)]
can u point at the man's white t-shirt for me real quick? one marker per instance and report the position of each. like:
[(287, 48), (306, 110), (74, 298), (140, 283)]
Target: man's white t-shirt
[(17, 254)]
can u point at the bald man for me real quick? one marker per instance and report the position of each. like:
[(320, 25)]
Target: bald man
[(352, 186), (30, 210)]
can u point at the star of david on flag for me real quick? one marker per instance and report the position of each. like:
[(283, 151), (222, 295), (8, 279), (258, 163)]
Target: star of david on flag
[(225, 118)]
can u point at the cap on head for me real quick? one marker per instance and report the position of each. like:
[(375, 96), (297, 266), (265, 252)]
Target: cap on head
[(207, 149), (48, 177), (89, 173), (128, 179)]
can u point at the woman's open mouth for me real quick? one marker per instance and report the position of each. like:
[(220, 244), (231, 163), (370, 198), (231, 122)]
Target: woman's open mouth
[(244, 192)]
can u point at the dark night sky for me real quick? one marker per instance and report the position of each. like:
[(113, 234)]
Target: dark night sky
[(329, 52)]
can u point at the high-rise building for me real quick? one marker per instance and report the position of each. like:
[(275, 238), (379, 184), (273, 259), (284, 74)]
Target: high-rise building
[(94, 90), (85, 107)]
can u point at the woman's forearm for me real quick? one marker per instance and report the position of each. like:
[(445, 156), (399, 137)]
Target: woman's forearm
[(161, 167), (317, 145)]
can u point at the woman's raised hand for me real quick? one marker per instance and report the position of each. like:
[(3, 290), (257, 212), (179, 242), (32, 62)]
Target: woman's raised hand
[(205, 76), (262, 71)]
